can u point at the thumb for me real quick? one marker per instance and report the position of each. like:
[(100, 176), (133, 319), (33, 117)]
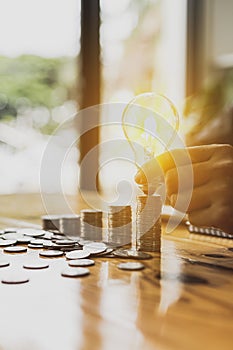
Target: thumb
[(149, 172)]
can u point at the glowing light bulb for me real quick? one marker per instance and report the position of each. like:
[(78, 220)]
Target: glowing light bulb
[(150, 123)]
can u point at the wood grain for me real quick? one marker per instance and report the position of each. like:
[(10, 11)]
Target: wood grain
[(174, 303)]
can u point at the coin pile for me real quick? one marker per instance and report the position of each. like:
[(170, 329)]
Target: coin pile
[(50, 222), (70, 225), (148, 223), (120, 224), (91, 224)]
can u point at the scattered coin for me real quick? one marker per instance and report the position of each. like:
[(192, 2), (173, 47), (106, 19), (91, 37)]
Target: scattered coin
[(12, 236), (65, 242), (106, 252), (95, 245), (4, 263), (78, 272), (10, 229), (7, 242), (15, 249), (15, 279), (94, 251), (77, 254), (36, 265), (81, 262), (131, 266), (24, 240), (32, 232), (34, 246), (138, 255), (84, 242), (37, 241), (51, 253), (133, 254)]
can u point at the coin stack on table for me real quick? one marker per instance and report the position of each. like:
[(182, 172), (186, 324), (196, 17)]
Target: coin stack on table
[(148, 223), (120, 224), (91, 224), (50, 222), (70, 225)]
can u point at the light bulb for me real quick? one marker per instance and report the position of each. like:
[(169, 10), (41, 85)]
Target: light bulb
[(150, 123)]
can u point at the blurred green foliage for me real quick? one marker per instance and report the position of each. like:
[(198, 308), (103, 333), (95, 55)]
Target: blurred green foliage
[(35, 81)]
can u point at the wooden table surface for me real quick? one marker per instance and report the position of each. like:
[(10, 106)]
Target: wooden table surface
[(174, 303)]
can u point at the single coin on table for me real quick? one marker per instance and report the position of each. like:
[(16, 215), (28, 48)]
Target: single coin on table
[(51, 253), (75, 272), (81, 262), (131, 266), (7, 242), (15, 278), (15, 249), (36, 265), (4, 263), (77, 254)]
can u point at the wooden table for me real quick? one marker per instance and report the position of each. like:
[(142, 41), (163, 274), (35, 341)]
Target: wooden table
[(171, 304)]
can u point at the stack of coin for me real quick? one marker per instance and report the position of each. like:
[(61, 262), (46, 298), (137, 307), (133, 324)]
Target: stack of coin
[(91, 224), (148, 223), (50, 222), (70, 225), (120, 224)]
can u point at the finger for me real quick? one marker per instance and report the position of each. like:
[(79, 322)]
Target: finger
[(149, 172), (174, 159), (187, 177)]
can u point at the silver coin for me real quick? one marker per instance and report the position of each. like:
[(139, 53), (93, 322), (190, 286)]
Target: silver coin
[(83, 242), (51, 253), (7, 242), (12, 235), (106, 252), (120, 253), (34, 246), (81, 262), (77, 272), (77, 254), (24, 240), (132, 254), (36, 265), (37, 241), (65, 242), (10, 229), (15, 279), (15, 249), (131, 266), (95, 245), (4, 263), (138, 255), (94, 251), (32, 232)]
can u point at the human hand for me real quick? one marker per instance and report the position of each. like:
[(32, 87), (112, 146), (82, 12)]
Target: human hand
[(211, 200)]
